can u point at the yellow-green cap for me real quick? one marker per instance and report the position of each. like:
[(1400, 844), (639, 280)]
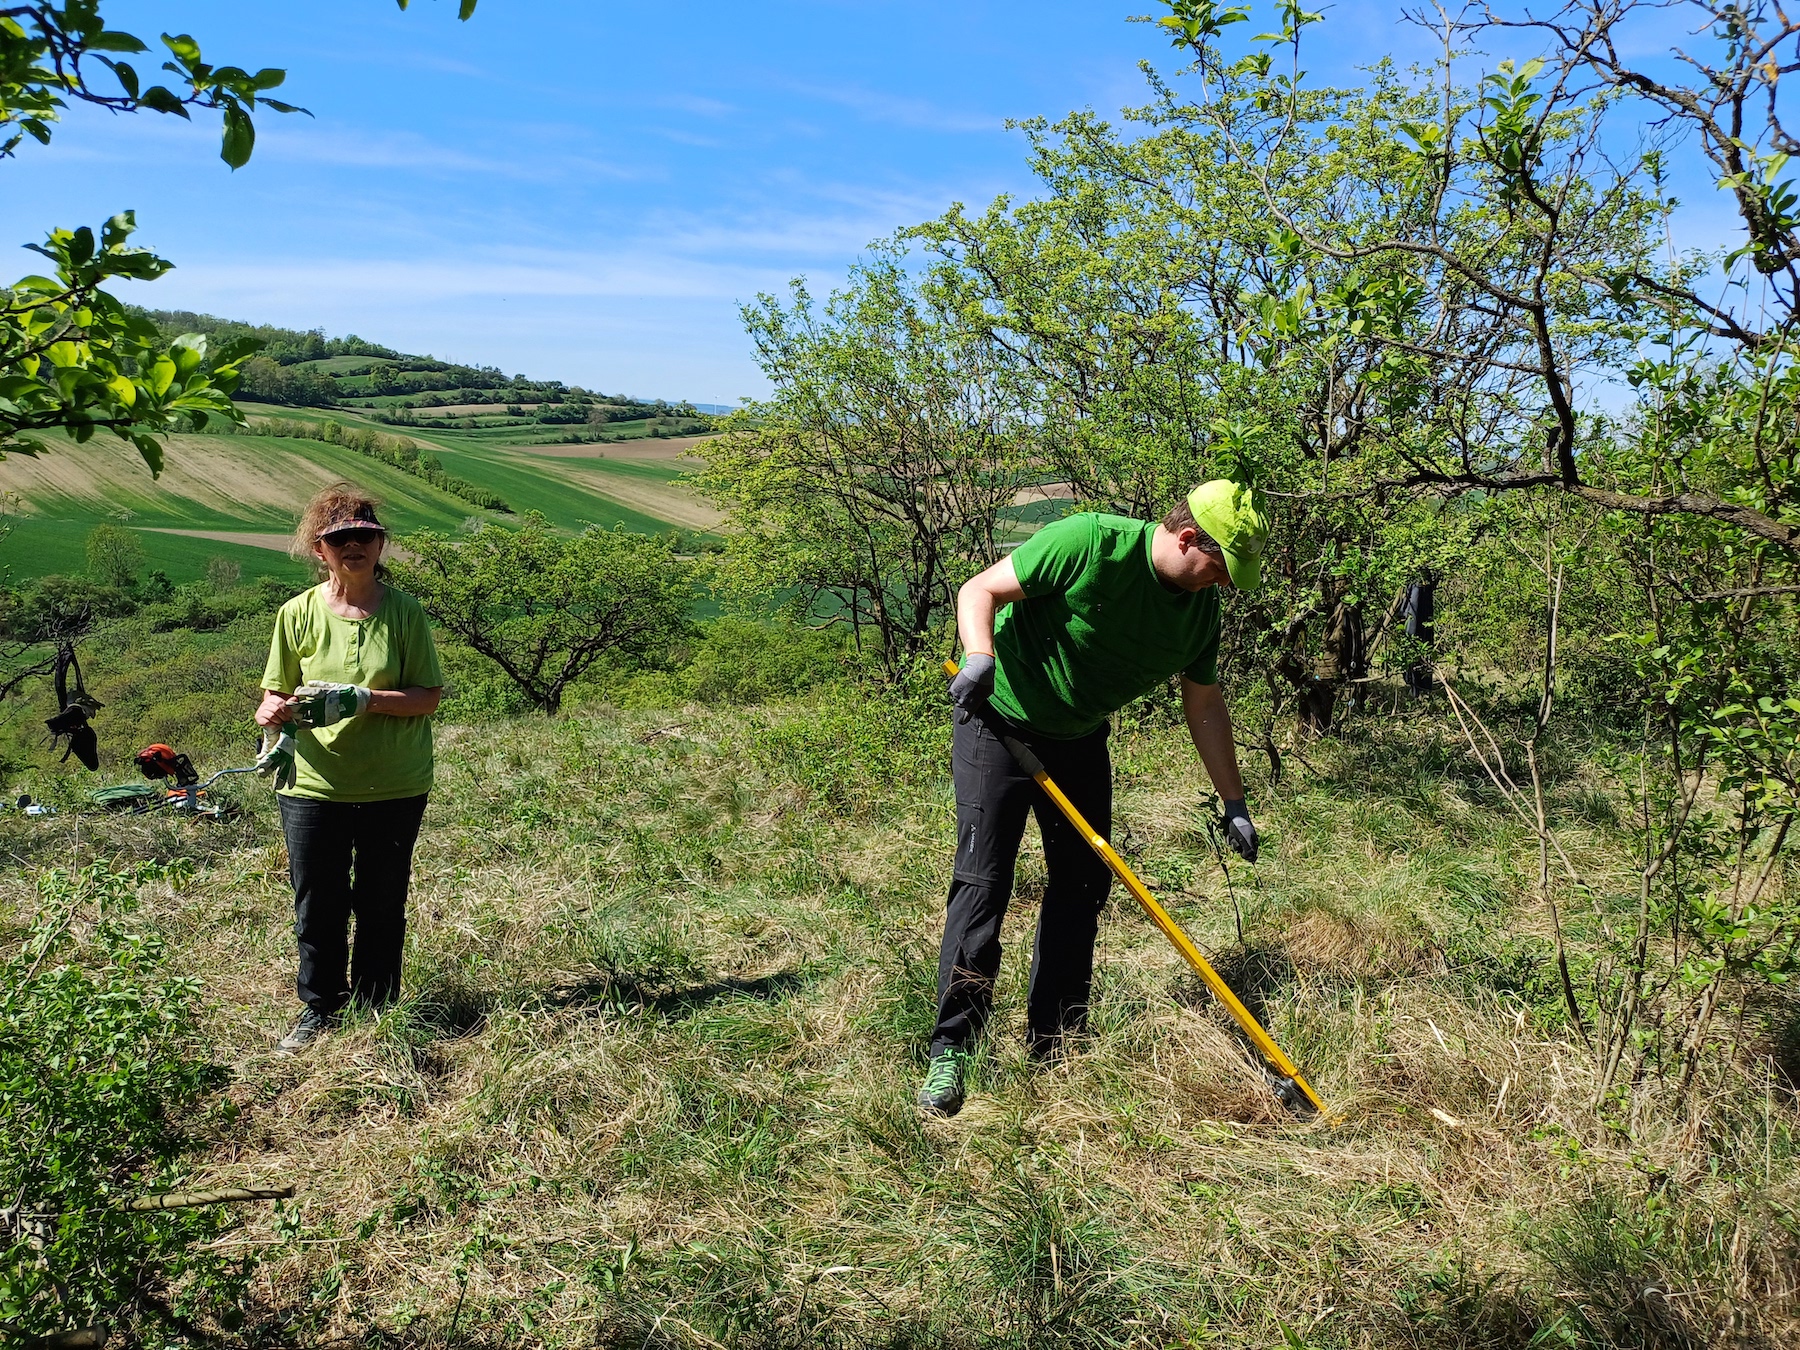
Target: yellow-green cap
[(1233, 514)]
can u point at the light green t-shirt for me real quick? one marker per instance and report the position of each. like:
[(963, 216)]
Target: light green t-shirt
[(1096, 628), (371, 758)]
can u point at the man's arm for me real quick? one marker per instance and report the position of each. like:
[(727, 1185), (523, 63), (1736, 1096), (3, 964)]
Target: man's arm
[(1209, 723), (980, 600)]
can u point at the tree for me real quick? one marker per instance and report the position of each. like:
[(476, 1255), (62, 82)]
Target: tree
[(115, 555), (878, 476), (546, 607), (74, 360)]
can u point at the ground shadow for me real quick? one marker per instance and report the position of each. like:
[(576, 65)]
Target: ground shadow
[(619, 991), (1254, 972)]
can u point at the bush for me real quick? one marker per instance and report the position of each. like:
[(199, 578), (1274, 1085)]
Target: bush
[(737, 660), (114, 555), (545, 608), (100, 1076)]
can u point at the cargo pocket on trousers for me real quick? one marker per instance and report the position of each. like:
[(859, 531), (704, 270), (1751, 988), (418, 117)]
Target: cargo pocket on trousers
[(969, 820)]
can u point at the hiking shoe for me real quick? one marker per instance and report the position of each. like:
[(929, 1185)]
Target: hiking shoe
[(941, 1094), (311, 1026)]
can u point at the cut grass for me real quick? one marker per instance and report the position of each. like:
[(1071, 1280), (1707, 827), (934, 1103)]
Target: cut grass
[(669, 979)]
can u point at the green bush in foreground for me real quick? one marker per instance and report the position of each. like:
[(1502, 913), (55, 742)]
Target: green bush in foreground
[(99, 1073)]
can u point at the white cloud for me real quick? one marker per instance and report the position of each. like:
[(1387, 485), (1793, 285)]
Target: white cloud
[(918, 113)]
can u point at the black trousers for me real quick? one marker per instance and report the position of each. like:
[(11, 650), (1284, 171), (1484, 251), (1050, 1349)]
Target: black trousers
[(993, 796), (350, 859)]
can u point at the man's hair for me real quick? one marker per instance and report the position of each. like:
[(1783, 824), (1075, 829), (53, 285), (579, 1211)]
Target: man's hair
[(339, 501), (1181, 517)]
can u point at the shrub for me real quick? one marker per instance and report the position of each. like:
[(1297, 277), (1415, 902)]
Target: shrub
[(114, 555), (100, 1074), (545, 607)]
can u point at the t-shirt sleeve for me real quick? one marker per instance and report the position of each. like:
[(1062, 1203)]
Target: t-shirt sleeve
[(282, 673), (1204, 668), (420, 668), (1053, 559)]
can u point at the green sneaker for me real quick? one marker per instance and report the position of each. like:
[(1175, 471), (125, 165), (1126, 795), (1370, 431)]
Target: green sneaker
[(941, 1094)]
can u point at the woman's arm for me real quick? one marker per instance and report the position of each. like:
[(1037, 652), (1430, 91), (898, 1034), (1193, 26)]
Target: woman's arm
[(417, 701)]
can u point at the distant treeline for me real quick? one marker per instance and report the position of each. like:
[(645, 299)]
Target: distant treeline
[(280, 373), (395, 451)]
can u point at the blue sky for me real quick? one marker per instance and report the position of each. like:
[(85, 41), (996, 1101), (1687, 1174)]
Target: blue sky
[(587, 189)]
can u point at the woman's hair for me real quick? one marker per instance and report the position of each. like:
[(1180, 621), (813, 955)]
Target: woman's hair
[(339, 501)]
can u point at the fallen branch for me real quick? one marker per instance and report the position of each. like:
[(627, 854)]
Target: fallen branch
[(194, 1199)]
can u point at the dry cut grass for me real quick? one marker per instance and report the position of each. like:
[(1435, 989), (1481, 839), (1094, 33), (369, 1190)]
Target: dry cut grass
[(651, 1082)]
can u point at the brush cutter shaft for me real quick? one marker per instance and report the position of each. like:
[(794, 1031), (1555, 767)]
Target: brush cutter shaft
[(1159, 916)]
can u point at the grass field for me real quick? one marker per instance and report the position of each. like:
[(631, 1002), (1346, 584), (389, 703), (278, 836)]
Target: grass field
[(669, 980), (257, 485)]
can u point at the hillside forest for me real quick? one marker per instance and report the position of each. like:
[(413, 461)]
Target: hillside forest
[(1516, 703)]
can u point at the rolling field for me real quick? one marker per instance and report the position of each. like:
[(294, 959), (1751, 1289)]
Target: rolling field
[(233, 496)]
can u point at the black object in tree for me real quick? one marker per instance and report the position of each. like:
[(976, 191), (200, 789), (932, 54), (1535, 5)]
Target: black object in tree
[(1421, 609), (72, 721)]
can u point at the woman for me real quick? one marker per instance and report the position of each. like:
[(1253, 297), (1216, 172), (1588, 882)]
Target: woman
[(352, 681)]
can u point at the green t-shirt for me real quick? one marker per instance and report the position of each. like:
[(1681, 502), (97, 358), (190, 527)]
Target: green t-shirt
[(1096, 628), (371, 758)]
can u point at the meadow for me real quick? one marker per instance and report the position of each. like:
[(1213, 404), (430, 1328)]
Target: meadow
[(236, 496), (670, 970)]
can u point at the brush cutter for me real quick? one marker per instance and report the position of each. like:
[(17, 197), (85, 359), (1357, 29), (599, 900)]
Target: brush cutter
[(1284, 1078), (159, 762)]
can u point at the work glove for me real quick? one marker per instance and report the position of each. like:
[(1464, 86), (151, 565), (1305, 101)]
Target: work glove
[(324, 705), (1240, 833), (277, 761), (973, 683)]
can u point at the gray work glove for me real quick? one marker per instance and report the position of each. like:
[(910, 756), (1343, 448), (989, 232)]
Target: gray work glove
[(973, 683), (1240, 833), (277, 761), (323, 705)]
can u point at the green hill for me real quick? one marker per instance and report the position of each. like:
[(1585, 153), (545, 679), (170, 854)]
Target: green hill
[(238, 496)]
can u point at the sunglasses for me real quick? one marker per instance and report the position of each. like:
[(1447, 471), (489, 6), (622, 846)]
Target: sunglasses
[(338, 538)]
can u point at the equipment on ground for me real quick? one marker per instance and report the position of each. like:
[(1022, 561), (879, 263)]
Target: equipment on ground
[(160, 763), (1284, 1076)]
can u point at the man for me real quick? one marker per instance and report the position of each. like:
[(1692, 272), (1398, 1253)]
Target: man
[(1088, 614)]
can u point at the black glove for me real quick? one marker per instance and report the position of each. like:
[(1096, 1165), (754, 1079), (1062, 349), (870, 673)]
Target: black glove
[(973, 683), (1239, 832)]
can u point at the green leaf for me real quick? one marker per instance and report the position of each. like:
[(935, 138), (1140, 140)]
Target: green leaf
[(466, 10), (112, 40), (186, 50), (150, 449), (158, 98), (268, 78), (240, 137)]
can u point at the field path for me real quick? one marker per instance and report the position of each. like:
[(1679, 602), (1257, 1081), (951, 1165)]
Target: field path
[(252, 539), (674, 447)]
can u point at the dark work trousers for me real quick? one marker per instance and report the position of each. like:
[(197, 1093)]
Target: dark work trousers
[(993, 795), (350, 859)]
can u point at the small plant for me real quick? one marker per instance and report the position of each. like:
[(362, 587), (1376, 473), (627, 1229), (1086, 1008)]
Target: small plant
[(100, 1071)]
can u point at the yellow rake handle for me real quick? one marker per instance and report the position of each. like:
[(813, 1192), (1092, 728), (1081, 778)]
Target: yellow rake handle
[(1160, 917)]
